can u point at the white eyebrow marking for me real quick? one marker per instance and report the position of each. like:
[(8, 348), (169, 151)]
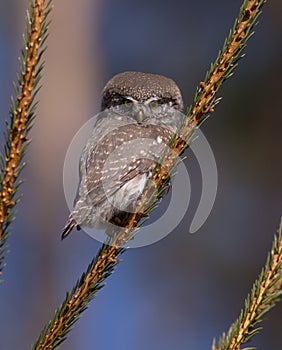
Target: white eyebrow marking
[(151, 99)]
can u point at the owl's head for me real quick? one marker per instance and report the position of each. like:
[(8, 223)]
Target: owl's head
[(140, 94)]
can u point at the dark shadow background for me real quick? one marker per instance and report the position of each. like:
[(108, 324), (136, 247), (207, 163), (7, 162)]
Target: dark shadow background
[(186, 289)]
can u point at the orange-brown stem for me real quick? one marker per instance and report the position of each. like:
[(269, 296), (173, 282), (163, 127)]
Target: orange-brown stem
[(17, 132)]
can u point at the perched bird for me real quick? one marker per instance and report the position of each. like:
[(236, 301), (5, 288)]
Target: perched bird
[(140, 112)]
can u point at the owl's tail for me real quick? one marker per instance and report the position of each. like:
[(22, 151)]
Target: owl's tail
[(70, 225)]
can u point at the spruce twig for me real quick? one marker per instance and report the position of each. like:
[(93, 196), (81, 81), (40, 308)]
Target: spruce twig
[(22, 113), (265, 293), (77, 300), (204, 102)]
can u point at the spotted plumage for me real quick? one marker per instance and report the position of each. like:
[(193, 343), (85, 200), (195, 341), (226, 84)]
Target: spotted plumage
[(140, 113)]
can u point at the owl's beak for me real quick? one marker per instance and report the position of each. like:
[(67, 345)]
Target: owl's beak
[(140, 116)]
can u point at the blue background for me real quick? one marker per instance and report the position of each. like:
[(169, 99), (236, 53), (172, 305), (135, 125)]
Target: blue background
[(186, 289)]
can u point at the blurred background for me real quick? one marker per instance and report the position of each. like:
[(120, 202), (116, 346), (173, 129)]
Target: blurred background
[(186, 289)]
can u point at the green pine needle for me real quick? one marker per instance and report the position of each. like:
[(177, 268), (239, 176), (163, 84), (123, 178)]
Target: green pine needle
[(265, 294), (22, 113), (106, 259)]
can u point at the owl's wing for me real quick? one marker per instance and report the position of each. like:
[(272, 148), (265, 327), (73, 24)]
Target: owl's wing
[(99, 191), (112, 163)]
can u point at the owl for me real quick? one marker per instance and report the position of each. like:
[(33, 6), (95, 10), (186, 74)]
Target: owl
[(140, 112)]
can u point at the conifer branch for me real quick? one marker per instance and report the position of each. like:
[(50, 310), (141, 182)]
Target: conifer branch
[(265, 293), (77, 300), (226, 61), (22, 112), (107, 257)]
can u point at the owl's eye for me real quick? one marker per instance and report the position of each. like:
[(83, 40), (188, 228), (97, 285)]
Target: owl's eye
[(154, 104), (127, 103)]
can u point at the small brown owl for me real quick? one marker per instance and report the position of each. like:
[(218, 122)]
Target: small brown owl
[(140, 113)]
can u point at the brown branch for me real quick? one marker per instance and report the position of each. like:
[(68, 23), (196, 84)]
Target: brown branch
[(106, 258), (267, 287), (208, 89), (56, 332), (17, 131), (205, 96), (265, 293)]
